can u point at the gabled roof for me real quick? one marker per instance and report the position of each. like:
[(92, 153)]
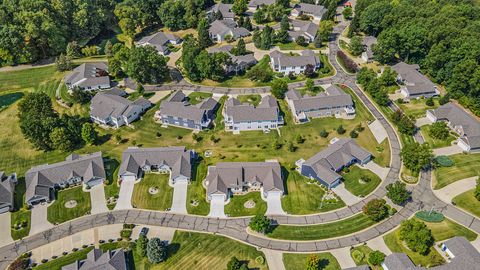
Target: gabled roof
[(315, 10), (159, 40), (415, 82), (333, 97), (257, 3), (99, 260), (247, 59), (178, 106), (226, 27), (88, 74), (267, 110), (7, 188), (225, 9), (300, 28), (105, 105), (399, 261), (286, 60)]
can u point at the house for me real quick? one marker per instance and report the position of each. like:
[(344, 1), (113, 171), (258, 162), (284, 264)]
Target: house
[(315, 11), (367, 54), (253, 5), (224, 9), (221, 30), (398, 261), (176, 161), (228, 178), (326, 164), (360, 267), (177, 111), (160, 42), (306, 29), (98, 259), (7, 190), (464, 124), (287, 63), (109, 109), (41, 181), (413, 83), (333, 102), (88, 76), (244, 116), (237, 63)]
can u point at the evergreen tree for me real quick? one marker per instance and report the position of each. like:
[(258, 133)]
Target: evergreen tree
[(108, 49), (267, 38), (248, 24), (73, 50), (241, 49), (203, 35), (141, 245), (63, 63), (156, 250), (89, 134), (239, 7)]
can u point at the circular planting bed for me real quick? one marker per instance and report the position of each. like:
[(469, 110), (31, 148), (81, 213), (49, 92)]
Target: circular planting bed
[(430, 216), (249, 204), (153, 190), (71, 204)]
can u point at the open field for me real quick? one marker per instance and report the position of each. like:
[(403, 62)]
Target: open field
[(466, 165), (295, 261), (435, 143), (58, 213), (162, 200), (468, 202), (236, 208), (354, 184)]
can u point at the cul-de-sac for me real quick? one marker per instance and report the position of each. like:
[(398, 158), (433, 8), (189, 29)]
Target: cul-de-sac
[(240, 134)]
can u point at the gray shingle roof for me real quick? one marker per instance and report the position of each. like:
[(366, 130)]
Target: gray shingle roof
[(178, 106), (286, 60), (258, 3), (226, 27), (104, 105), (7, 188), (368, 41), (415, 82), (315, 10), (225, 9), (159, 41), (242, 60), (307, 29), (399, 261), (361, 267), (267, 110), (99, 260), (333, 97), (90, 73)]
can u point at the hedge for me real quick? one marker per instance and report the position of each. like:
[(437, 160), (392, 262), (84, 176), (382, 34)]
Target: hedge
[(430, 217), (444, 161)]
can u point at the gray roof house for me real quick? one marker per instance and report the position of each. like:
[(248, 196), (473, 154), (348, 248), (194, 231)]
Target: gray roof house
[(333, 102), (224, 9), (177, 111), (42, 180), (227, 178), (177, 161), (160, 41), (107, 108), (88, 76), (97, 259), (244, 116), (414, 83), (286, 63), (466, 125), (238, 63), (315, 11), (7, 191), (256, 4), (220, 29), (368, 42), (325, 165), (306, 29)]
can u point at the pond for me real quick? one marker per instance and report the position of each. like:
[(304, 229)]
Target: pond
[(8, 99)]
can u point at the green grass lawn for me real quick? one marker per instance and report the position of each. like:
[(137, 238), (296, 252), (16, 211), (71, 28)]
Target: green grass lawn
[(365, 250), (294, 46), (447, 229), (252, 99), (111, 186), (235, 208), (20, 213), (435, 143), (197, 97), (196, 192), (433, 258), (58, 213), (355, 186), (28, 79), (296, 261), (468, 202), (61, 261), (162, 200), (417, 107), (322, 231), (466, 165)]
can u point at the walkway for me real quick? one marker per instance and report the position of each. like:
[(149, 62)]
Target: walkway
[(448, 151), (97, 197), (179, 202), (447, 193), (376, 169)]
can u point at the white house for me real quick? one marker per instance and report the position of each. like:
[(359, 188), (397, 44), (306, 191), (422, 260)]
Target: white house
[(414, 84), (286, 63), (88, 76)]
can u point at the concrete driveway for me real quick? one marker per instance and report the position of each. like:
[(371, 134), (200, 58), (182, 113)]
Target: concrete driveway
[(274, 204), (39, 219), (5, 231), (448, 151), (422, 122), (346, 196), (376, 169), (217, 207), (125, 195), (378, 131), (378, 244), (179, 203), (447, 193), (97, 197), (343, 257), (274, 259)]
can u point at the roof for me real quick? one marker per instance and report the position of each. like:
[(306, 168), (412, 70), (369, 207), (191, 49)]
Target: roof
[(308, 57), (225, 9), (315, 10), (7, 188), (105, 105), (415, 82), (227, 27), (267, 110), (368, 41), (459, 118), (115, 91), (361, 267), (257, 3), (226, 175), (399, 261), (97, 259), (88, 74), (178, 159), (333, 97), (41, 178), (300, 28), (159, 40), (247, 59), (178, 106)]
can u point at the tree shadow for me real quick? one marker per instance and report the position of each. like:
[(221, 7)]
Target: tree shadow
[(172, 249), (285, 175), (103, 139), (323, 263)]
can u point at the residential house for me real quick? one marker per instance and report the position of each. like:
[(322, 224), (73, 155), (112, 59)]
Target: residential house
[(237, 63), (253, 5), (367, 54), (177, 111), (360, 267), (107, 108), (176, 161), (98, 259), (221, 30), (306, 29), (333, 102), (160, 42), (464, 124), (7, 191), (41, 181), (88, 76), (314, 11), (413, 83), (228, 178), (287, 63), (244, 116), (326, 164), (224, 9)]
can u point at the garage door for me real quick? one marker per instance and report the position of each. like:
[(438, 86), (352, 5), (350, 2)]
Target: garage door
[(4, 209), (217, 206)]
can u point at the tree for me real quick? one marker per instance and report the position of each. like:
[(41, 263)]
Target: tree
[(63, 63), (141, 245), (477, 189), (388, 77), (248, 24), (239, 7), (73, 50), (376, 257), (317, 42), (301, 41), (353, 134), (429, 102), (376, 209), (241, 48), (324, 29), (416, 235), (61, 139), (266, 38), (89, 134), (108, 49), (416, 156), (291, 147), (156, 250), (309, 71), (356, 45), (203, 35), (234, 264), (341, 130), (347, 13), (259, 223), (439, 130), (279, 88), (299, 139), (90, 50), (146, 65), (443, 100), (323, 133), (309, 85), (283, 3), (313, 262), (397, 192)]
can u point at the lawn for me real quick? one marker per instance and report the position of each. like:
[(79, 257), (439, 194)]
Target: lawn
[(468, 202), (8, 99), (58, 213), (433, 258), (252, 99), (447, 229), (322, 231), (61, 261), (297, 261), (196, 194), (162, 200), (417, 107), (20, 214), (466, 165), (356, 186), (435, 143), (316, 89), (294, 46), (236, 208), (364, 250), (28, 79), (197, 97), (111, 184)]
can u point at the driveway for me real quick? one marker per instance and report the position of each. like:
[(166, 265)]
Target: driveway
[(343, 257), (378, 244), (447, 193), (423, 122), (378, 131), (125, 195), (97, 197), (5, 231), (179, 203), (274, 204), (217, 207), (377, 169), (39, 219), (346, 196), (274, 259), (448, 151)]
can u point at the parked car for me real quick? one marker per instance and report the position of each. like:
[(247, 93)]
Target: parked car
[(144, 231)]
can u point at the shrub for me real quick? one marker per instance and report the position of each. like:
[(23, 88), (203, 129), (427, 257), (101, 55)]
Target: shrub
[(125, 233), (259, 223), (430, 217), (128, 226), (365, 179), (260, 260), (341, 130), (323, 133), (444, 161), (313, 262), (357, 255), (353, 134), (346, 62), (156, 250), (392, 211), (376, 257), (429, 102)]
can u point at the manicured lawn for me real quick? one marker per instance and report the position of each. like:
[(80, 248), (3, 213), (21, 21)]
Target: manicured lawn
[(365, 250), (296, 261), (58, 213), (196, 193), (435, 143), (236, 208), (322, 231), (111, 184), (303, 198), (197, 97), (294, 46), (417, 107), (162, 200), (466, 165), (433, 258), (356, 186), (20, 213), (468, 202), (447, 229), (61, 261), (28, 79), (252, 99)]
